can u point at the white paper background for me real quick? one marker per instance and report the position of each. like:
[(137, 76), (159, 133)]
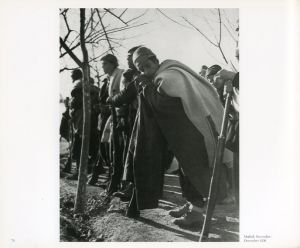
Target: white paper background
[(29, 110)]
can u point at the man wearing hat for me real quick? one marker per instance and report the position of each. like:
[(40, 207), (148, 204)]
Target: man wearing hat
[(180, 111), (211, 71), (219, 86)]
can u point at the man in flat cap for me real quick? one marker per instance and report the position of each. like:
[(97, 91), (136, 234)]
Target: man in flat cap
[(179, 111), (211, 71)]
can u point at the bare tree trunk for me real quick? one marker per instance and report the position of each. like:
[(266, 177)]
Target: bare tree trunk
[(81, 187)]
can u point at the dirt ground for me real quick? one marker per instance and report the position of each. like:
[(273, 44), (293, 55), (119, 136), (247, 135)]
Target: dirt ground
[(153, 225)]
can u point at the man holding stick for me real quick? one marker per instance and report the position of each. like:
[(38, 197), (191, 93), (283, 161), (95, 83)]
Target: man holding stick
[(180, 111)]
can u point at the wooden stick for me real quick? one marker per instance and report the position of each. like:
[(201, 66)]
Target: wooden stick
[(213, 190)]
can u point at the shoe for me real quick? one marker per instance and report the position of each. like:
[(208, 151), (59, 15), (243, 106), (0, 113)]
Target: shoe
[(124, 195), (190, 219), (178, 212)]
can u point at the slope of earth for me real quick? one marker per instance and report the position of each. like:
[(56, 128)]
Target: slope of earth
[(153, 225)]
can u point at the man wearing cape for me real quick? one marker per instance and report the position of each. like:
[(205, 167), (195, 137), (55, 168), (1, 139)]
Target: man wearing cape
[(179, 111)]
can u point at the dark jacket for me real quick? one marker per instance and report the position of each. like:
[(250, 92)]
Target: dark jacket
[(129, 94), (163, 125), (77, 105)]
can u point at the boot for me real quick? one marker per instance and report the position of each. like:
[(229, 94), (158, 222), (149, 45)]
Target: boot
[(178, 212), (125, 194), (190, 219), (97, 170)]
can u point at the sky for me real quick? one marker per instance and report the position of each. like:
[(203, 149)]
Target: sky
[(167, 34)]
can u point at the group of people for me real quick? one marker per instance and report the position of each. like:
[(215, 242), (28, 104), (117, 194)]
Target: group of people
[(144, 117)]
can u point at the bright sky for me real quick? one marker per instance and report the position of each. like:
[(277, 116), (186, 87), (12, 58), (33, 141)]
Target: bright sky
[(167, 39)]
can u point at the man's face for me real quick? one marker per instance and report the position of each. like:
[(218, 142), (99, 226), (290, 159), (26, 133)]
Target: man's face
[(148, 68), (107, 67), (210, 78)]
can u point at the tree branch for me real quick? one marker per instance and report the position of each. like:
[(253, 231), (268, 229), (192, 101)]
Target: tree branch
[(135, 18), (216, 45), (72, 55), (67, 69), (71, 49), (169, 18), (231, 35), (113, 14), (123, 13), (107, 38), (220, 27)]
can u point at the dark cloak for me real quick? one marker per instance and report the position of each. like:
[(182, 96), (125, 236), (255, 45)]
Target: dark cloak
[(163, 125)]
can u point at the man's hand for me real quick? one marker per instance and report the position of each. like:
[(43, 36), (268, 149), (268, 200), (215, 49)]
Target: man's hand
[(142, 80), (228, 87)]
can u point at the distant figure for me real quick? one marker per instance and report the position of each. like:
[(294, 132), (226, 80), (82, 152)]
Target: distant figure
[(94, 139), (203, 71), (211, 71), (76, 114), (114, 74), (231, 81), (103, 112), (64, 128)]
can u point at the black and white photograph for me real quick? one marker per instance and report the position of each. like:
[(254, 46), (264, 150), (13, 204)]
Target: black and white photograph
[(123, 123), (149, 132)]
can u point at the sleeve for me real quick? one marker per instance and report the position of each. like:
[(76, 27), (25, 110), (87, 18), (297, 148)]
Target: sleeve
[(126, 96)]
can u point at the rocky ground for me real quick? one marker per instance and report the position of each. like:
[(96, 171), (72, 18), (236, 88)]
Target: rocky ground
[(98, 225)]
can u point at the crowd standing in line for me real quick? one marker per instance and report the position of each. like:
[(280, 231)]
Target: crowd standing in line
[(144, 117)]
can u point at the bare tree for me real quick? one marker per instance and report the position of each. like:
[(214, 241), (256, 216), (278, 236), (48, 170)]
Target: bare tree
[(82, 179), (93, 33), (104, 32)]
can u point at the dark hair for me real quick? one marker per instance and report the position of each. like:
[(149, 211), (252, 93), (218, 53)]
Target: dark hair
[(131, 50), (92, 80), (110, 59), (204, 67), (154, 59), (76, 74)]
